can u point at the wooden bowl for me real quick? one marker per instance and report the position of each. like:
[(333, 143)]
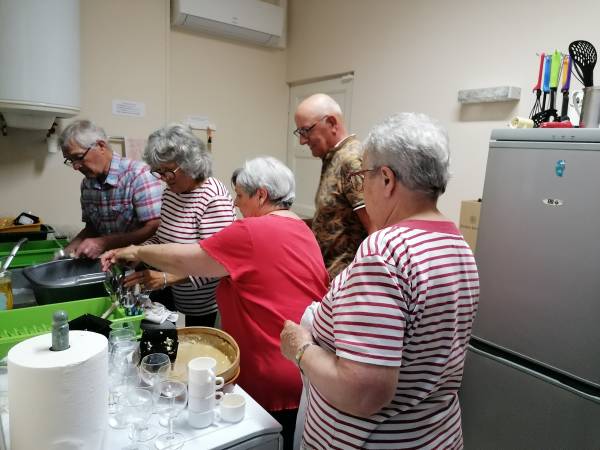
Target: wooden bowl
[(206, 341)]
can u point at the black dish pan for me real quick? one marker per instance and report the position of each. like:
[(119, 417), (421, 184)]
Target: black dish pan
[(66, 280)]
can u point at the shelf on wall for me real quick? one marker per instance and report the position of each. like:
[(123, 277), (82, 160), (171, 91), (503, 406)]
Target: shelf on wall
[(492, 94)]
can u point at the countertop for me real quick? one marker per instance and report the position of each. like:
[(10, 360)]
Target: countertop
[(257, 430)]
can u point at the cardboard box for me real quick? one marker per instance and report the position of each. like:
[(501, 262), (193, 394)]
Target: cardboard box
[(469, 221)]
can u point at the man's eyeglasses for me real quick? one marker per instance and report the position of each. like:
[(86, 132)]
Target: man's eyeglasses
[(305, 131), (78, 159), (357, 178), (167, 175)]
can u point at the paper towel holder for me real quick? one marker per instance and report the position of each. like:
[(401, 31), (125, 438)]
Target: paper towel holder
[(60, 331)]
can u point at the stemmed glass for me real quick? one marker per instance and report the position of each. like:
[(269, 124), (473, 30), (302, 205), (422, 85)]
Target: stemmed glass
[(171, 401), (154, 368), (136, 412)]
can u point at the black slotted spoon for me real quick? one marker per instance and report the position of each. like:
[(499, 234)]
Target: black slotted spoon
[(584, 58)]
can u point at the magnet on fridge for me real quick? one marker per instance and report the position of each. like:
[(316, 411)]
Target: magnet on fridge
[(560, 167)]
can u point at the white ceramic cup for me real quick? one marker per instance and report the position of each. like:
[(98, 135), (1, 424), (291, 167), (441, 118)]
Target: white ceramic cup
[(205, 389), (201, 370), (232, 407), (203, 404), (202, 381), (201, 419)]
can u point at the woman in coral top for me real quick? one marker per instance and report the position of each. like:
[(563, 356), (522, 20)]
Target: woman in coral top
[(272, 270)]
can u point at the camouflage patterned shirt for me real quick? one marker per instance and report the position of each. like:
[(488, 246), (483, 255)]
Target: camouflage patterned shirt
[(336, 224)]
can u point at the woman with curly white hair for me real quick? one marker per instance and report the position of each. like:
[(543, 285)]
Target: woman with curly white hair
[(195, 206)]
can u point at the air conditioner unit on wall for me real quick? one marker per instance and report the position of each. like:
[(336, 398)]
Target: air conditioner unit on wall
[(251, 21)]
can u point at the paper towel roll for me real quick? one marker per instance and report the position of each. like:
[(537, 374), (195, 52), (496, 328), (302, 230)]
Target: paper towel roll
[(58, 400)]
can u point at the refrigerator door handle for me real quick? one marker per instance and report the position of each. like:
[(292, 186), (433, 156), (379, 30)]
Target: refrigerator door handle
[(528, 371)]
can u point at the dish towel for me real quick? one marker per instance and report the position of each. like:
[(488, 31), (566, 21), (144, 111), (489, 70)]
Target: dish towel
[(157, 313)]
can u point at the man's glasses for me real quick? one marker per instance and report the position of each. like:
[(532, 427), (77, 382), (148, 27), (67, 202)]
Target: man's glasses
[(305, 131), (357, 178), (78, 159), (167, 175)]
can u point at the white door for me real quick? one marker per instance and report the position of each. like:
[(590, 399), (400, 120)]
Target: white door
[(306, 168)]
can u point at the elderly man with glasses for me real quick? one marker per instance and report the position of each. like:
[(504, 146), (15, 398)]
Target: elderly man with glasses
[(340, 222), (120, 199)]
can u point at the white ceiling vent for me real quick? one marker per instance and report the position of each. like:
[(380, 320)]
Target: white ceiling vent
[(252, 21)]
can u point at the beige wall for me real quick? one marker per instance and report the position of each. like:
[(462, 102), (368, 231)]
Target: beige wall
[(406, 55), (414, 55), (241, 89), (129, 52)]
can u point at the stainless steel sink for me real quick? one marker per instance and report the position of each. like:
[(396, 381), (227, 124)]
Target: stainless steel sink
[(66, 279), (22, 290)]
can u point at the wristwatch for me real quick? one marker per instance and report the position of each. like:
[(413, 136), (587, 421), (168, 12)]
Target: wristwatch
[(300, 353)]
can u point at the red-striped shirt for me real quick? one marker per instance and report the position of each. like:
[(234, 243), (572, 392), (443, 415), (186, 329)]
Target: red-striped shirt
[(407, 300), (186, 219)]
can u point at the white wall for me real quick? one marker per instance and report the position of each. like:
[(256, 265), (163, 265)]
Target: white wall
[(414, 55), (129, 52)]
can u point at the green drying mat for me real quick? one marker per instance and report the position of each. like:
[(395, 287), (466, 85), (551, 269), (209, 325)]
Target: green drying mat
[(16, 325), (32, 252)]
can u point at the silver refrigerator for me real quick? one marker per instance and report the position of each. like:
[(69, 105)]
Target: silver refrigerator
[(532, 374)]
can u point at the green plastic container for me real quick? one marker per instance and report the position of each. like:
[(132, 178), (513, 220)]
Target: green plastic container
[(32, 252), (16, 325)]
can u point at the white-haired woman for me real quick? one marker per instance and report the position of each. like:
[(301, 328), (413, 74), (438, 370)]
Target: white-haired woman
[(194, 207), (385, 355), (272, 270)]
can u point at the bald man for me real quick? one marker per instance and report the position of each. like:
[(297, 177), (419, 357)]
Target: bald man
[(341, 221)]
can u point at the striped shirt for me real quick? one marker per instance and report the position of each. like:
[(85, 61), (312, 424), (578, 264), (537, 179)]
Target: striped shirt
[(124, 201), (186, 219), (407, 300)]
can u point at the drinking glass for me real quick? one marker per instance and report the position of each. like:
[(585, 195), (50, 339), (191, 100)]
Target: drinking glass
[(136, 413), (122, 371), (3, 387), (171, 401), (120, 334), (121, 382)]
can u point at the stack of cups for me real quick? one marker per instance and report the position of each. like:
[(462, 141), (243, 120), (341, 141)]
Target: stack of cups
[(202, 391)]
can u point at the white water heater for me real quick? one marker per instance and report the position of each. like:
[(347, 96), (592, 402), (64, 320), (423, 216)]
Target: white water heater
[(39, 61)]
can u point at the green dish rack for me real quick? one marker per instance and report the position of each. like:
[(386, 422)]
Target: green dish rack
[(32, 252), (16, 325)]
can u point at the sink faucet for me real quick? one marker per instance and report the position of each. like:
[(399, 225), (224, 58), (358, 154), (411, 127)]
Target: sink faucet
[(12, 254)]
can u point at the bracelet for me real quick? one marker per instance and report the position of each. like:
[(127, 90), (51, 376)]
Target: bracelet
[(300, 353), (164, 280)]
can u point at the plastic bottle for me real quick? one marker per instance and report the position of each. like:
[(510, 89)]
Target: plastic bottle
[(6, 294)]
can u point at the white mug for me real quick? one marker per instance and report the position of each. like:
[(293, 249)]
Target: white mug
[(232, 407), (201, 370), (203, 404), (205, 389), (201, 419), (202, 381)]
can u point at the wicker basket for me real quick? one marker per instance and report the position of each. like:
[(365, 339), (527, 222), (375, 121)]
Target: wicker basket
[(206, 336)]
